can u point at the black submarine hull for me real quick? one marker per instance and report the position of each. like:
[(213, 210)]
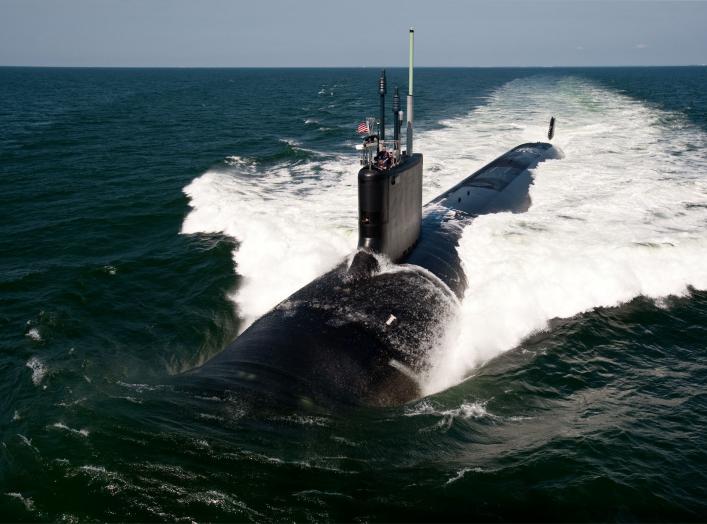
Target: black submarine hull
[(364, 332)]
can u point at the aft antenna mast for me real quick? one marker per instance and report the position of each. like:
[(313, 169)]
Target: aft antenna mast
[(410, 96)]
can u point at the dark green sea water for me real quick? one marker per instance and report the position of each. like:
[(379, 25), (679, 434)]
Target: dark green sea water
[(146, 216)]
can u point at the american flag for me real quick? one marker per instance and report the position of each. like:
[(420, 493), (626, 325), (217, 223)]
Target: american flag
[(363, 129)]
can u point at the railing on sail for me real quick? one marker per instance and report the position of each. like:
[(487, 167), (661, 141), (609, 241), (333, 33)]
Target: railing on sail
[(368, 149), (381, 154)]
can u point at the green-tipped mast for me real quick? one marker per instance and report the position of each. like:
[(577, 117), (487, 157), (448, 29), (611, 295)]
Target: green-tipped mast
[(412, 59), (410, 96)]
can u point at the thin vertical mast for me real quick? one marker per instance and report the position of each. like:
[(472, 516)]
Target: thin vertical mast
[(410, 95), (397, 120), (382, 90)]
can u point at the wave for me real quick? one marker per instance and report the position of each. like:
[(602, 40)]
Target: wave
[(291, 227)]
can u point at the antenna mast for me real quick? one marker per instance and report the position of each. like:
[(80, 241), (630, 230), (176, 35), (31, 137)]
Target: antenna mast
[(410, 95), (382, 90), (397, 120)]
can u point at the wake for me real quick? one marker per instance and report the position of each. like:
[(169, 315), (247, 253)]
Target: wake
[(622, 215)]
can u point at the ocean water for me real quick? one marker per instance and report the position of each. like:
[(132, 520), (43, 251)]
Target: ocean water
[(148, 216)]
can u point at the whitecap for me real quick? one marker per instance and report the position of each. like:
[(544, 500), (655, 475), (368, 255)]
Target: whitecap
[(27, 442), (34, 334), (39, 370), (81, 432), (26, 501), (460, 474), (447, 417)]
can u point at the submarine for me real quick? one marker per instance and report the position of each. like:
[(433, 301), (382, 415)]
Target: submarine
[(364, 332)]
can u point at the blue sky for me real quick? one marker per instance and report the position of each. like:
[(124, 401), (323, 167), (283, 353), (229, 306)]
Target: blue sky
[(234, 33)]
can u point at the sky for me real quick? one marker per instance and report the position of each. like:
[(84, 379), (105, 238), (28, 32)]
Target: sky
[(325, 33)]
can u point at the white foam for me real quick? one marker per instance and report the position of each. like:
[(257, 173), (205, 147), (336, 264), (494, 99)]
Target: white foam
[(27, 442), (26, 501), (81, 432), (34, 334), (460, 474), (243, 163), (465, 411), (291, 227), (303, 420), (619, 217), (447, 417), (93, 469), (38, 370)]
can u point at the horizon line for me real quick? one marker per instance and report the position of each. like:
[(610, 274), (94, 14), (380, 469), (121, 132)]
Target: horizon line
[(341, 67)]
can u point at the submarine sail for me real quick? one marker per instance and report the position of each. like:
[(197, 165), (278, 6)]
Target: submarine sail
[(390, 184)]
